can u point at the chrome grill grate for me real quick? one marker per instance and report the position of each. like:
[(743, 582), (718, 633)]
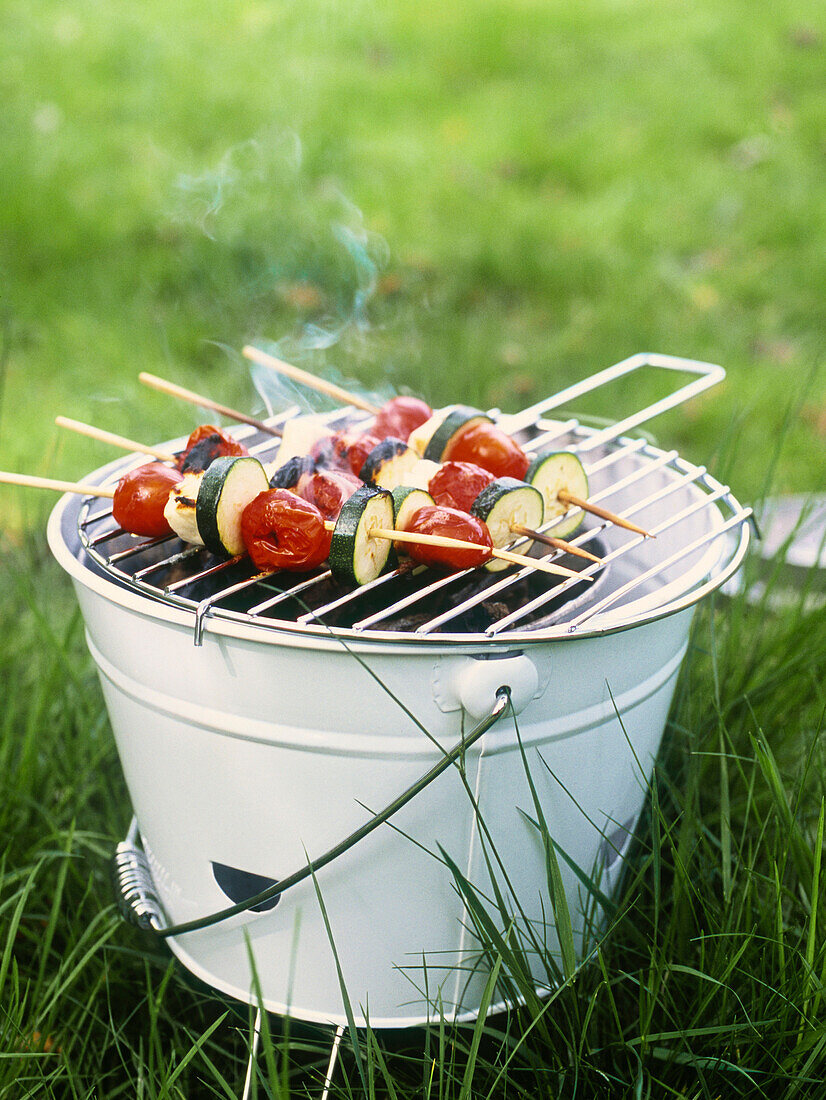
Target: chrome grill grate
[(695, 519)]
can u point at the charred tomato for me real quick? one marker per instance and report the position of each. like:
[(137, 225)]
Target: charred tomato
[(450, 523), (205, 445), (282, 531), (458, 484)]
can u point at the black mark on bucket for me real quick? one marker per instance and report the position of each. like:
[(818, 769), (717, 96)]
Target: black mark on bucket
[(238, 885)]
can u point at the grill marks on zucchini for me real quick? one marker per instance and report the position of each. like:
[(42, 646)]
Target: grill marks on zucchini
[(388, 464), (503, 504), (355, 556), (552, 472), (227, 487)]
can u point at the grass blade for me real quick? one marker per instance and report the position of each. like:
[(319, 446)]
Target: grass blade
[(348, 1008), (487, 996)]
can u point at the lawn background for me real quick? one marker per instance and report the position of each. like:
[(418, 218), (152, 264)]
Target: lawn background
[(543, 188), (481, 202)]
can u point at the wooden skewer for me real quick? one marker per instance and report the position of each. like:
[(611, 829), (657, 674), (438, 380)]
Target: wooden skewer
[(461, 544), (298, 375), (110, 437), (602, 513), (52, 483), (558, 544), (198, 399)]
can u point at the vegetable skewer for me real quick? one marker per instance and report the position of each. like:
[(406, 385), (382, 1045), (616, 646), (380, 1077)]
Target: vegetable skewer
[(104, 436), (263, 358), (391, 535), (198, 399), (448, 543)]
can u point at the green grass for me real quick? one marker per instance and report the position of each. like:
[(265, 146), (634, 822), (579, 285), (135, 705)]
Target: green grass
[(707, 981), (528, 192)]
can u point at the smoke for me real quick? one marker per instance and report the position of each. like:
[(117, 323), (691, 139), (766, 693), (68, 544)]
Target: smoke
[(203, 198), (290, 262)]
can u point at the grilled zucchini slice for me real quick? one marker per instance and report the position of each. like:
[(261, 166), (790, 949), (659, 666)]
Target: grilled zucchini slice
[(407, 500), (553, 471), (463, 416), (227, 487), (502, 504), (355, 557)]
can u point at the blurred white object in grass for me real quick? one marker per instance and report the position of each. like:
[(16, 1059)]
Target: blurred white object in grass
[(791, 553)]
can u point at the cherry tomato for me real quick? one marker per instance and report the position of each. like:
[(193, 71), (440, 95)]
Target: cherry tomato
[(282, 531), (206, 444), (359, 448), (458, 484), (141, 496), (327, 490), (489, 447), (399, 416), (456, 525)]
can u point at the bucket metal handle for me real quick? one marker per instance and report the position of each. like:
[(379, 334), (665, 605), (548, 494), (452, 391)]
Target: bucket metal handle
[(138, 898)]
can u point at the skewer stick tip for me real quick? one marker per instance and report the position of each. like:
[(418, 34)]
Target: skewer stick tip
[(184, 394), (32, 482), (557, 544), (602, 513), (338, 393), (103, 436)]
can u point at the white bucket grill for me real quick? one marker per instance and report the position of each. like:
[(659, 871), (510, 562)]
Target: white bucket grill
[(306, 703)]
